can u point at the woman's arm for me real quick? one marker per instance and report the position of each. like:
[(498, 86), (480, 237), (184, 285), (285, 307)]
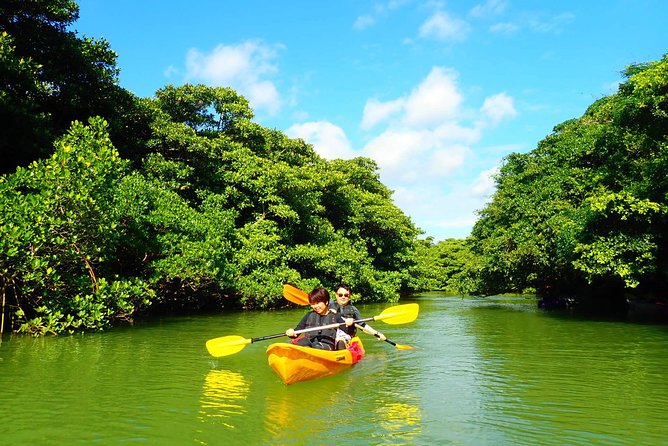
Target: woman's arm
[(290, 332)]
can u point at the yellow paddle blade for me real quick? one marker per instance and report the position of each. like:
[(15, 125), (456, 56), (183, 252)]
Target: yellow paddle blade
[(294, 294), (400, 314), (226, 345), (403, 347)]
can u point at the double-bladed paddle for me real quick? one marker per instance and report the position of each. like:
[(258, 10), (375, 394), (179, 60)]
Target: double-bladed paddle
[(229, 345), (299, 297)]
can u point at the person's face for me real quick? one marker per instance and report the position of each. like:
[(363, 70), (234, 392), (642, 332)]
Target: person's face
[(319, 307), (342, 297)]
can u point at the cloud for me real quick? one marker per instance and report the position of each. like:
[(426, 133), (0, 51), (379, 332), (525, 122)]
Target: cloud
[(263, 94), (553, 24), (424, 144), (397, 151), (363, 22), (441, 26), (497, 108), (376, 111), (455, 131), (380, 10), (445, 161), (246, 67), (484, 184), (410, 156), (435, 99), (489, 8), (170, 71), (504, 28), (328, 140), (457, 211), (536, 23)]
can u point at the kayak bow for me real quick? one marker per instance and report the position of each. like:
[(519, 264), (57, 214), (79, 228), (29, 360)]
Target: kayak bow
[(294, 363)]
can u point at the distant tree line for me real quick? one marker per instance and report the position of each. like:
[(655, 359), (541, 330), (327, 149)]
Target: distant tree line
[(585, 212), (115, 206)]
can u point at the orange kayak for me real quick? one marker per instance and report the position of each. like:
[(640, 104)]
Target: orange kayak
[(294, 363)]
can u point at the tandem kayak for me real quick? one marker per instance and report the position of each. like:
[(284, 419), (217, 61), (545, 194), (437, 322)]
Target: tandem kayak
[(294, 363)]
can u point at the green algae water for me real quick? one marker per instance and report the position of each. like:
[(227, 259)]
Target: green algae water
[(488, 371)]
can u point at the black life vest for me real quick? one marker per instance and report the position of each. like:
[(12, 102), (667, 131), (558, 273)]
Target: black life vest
[(327, 335), (349, 311)]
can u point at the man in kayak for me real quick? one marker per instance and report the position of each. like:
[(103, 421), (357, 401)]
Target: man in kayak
[(347, 310), (321, 315)]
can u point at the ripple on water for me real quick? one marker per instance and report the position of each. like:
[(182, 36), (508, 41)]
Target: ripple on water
[(481, 373)]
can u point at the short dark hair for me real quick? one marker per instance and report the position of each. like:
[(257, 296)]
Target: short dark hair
[(345, 286), (318, 295)]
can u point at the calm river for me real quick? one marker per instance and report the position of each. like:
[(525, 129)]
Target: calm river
[(484, 372)]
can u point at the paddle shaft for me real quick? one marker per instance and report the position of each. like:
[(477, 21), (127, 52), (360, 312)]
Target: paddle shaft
[(299, 297), (228, 345), (375, 334), (306, 330)]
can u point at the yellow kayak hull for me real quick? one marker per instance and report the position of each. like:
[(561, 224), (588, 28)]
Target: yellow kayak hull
[(294, 363)]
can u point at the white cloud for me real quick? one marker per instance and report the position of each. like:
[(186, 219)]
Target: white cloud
[(553, 24), (536, 23), (380, 10), (246, 67), (457, 210), (170, 71), (363, 22), (504, 28), (423, 143), (498, 107), (484, 184), (415, 155), (395, 150), (376, 111), (453, 131), (489, 8), (445, 161), (441, 26), (264, 95), (328, 140), (435, 99)]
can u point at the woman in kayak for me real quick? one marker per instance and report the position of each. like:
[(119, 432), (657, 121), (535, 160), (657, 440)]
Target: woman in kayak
[(343, 307), (321, 315)]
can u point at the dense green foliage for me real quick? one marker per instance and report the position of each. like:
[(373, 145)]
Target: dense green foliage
[(587, 208), (171, 203), (115, 206), (442, 266), (50, 77)]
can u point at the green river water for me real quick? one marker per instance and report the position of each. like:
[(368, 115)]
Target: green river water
[(494, 371)]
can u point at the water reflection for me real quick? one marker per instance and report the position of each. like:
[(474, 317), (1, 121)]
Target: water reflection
[(485, 373), (360, 406), (395, 415), (400, 421), (223, 396), (302, 413), (565, 380)]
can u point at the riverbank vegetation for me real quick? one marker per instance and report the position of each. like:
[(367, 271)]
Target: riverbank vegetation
[(585, 213), (115, 206)]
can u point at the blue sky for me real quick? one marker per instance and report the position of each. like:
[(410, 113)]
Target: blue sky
[(436, 92)]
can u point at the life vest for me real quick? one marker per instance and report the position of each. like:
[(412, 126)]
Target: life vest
[(327, 335), (349, 311)]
